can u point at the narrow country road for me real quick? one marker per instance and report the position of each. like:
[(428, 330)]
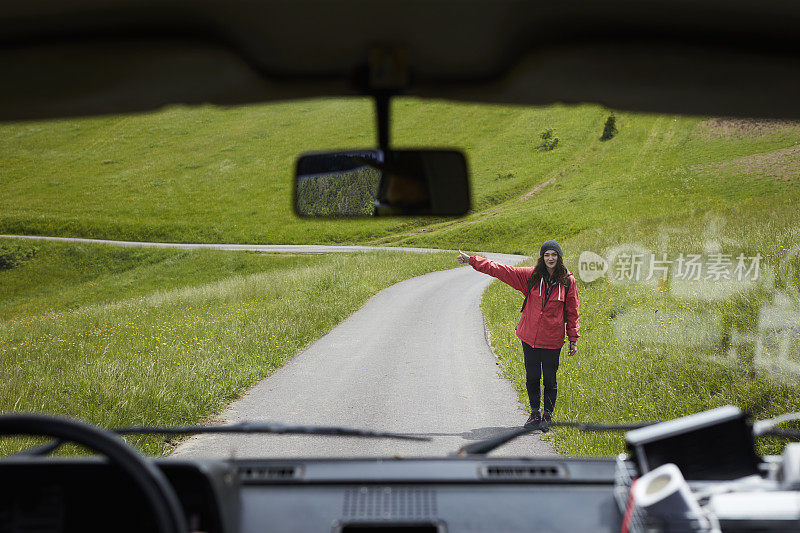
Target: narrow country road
[(277, 248), (414, 359)]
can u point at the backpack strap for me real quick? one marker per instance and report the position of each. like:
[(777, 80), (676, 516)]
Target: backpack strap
[(530, 288)]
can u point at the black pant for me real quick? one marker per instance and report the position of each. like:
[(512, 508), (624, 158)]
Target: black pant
[(540, 361)]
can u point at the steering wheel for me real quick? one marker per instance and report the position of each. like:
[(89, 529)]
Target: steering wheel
[(157, 490)]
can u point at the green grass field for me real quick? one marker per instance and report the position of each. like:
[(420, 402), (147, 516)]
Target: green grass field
[(225, 175), (119, 336), (627, 376), (669, 185), (666, 183)]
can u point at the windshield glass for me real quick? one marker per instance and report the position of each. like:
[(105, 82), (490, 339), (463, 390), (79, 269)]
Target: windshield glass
[(680, 235)]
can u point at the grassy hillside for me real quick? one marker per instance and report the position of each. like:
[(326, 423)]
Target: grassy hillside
[(131, 336), (658, 171), (666, 184), (636, 361), (225, 175)]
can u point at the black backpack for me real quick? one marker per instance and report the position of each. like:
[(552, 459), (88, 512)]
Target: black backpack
[(566, 291)]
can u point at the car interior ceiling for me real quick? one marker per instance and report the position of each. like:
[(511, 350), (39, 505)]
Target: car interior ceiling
[(671, 57)]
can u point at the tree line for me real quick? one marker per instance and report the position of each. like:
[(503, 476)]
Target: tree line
[(350, 193)]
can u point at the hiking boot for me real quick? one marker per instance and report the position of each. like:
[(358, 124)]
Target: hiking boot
[(545, 424), (533, 420)]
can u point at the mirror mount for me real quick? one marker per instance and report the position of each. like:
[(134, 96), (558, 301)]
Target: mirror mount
[(382, 182), (382, 108), (389, 73)]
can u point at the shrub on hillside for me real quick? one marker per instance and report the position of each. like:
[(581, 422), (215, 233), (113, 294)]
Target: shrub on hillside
[(548, 141), (609, 129), (13, 255)]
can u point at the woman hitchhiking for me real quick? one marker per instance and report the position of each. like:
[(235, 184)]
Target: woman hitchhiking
[(551, 301)]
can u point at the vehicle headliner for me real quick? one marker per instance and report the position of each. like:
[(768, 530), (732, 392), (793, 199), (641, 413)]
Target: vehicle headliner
[(88, 57)]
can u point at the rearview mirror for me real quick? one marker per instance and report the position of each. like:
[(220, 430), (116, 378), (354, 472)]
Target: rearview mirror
[(359, 183)]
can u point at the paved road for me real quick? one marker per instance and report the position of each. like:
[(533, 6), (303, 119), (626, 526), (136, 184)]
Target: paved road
[(413, 360), (278, 248)]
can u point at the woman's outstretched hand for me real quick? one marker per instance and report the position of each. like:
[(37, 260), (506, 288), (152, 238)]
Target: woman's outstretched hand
[(462, 257)]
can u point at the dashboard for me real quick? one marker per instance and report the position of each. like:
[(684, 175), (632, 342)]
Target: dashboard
[(695, 473), (329, 495)]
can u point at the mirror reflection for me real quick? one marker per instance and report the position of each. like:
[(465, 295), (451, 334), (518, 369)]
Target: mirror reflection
[(360, 183), (342, 184)]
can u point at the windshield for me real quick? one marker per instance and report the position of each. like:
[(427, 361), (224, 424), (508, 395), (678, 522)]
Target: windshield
[(680, 235)]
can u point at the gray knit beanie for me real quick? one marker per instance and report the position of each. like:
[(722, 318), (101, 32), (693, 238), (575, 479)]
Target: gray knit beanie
[(551, 245)]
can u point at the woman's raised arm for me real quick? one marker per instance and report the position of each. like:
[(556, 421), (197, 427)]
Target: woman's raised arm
[(515, 277)]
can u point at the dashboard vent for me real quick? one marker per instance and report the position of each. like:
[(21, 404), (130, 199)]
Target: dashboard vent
[(521, 472), (259, 474), (393, 502)]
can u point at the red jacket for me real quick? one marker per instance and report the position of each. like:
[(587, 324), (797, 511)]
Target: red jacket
[(541, 325)]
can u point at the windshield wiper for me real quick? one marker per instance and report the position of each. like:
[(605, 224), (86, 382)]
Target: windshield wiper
[(242, 427), (268, 427), (485, 446), (760, 427)]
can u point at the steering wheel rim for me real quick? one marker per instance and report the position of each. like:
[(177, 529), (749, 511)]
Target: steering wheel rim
[(153, 483)]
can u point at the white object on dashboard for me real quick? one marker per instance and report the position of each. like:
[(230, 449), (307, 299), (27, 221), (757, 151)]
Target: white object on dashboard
[(664, 493), (764, 505), (789, 471)]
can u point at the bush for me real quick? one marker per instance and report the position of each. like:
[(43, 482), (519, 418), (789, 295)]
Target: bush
[(13, 255), (548, 141), (609, 129)]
